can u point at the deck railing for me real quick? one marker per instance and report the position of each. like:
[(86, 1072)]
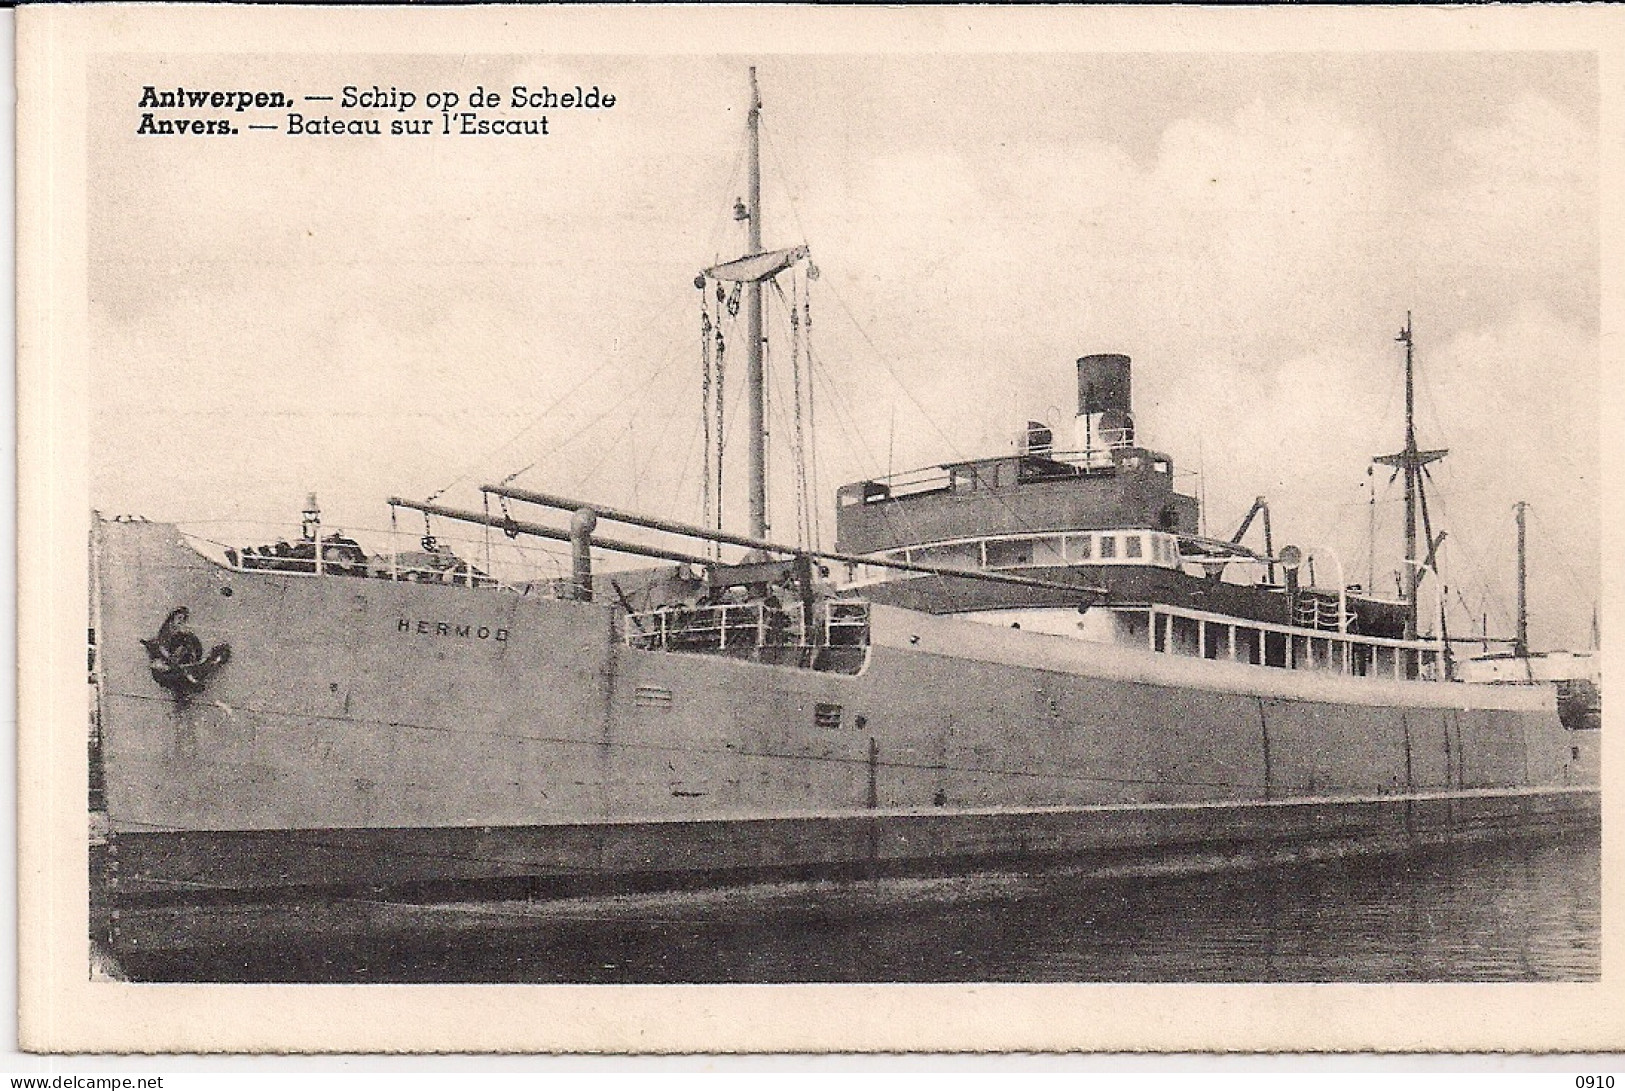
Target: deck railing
[(747, 625), (939, 478), (347, 560), (1176, 630)]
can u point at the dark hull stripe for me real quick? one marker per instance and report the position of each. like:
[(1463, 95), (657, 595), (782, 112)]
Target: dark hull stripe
[(162, 886)]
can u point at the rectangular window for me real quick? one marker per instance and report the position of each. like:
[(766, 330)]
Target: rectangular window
[(1009, 554), (1187, 636), (1362, 659), (963, 555), (1133, 629), (1047, 551), (1382, 662), (963, 479), (826, 715), (1274, 649), (1078, 547), (1108, 546), (1132, 544)]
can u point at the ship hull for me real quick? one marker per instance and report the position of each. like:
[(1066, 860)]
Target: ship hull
[(181, 895), (373, 738)]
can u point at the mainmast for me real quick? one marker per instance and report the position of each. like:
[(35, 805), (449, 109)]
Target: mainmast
[(1411, 461), (756, 384)]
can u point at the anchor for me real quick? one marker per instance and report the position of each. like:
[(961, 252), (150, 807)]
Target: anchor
[(175, 657)]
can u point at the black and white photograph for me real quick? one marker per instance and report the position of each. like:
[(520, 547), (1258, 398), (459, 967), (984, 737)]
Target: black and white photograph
[(803, 511)]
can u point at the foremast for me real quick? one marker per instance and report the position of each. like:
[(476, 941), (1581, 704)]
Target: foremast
[(755, 378), (750, 273)]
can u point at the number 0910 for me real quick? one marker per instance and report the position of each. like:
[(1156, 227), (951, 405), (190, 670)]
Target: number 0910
[(1594, 1083)]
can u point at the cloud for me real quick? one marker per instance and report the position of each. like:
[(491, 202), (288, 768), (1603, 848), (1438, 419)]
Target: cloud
[(1513, 215), (1245, 223)]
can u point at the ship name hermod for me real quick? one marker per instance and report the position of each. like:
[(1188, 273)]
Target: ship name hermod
[(452, 629)]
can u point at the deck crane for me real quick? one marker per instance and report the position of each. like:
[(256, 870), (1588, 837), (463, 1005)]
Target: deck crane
[(1260, 506)]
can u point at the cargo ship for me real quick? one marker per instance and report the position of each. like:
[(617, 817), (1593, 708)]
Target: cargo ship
[(1029, 660)]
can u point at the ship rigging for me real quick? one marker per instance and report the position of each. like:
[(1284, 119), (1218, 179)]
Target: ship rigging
[(1413, 462), (1106, 442)]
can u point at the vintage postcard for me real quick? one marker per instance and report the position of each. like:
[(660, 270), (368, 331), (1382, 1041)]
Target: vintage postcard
[(790, 529)]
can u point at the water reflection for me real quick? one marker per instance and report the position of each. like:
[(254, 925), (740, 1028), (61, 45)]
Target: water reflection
[(1508, 912)]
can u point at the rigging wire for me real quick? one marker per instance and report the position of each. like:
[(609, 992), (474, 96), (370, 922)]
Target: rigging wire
[(778, 413), (815, 486), (890, 371), (725, 218), (892, 515), (719, 231), (1011, 513), (705, 396), (720, 357), (803, 523), (1492, 600), (779, 164), (688, 461), (796, 427), (1431, 403), (469, 469), (1475, 565), (654, 450), (1490, 604), (648, 381), (607, 361), (1577, 582)]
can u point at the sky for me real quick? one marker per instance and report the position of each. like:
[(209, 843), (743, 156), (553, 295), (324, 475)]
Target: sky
[(272, 314)]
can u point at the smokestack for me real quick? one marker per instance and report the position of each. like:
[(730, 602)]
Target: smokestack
[(1105, 404), (1103, 384)]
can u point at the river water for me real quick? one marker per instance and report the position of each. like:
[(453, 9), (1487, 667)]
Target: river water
[(1519, 911)]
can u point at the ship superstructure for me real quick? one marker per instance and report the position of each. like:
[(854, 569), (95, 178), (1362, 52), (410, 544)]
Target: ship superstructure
[(1108, 517)]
